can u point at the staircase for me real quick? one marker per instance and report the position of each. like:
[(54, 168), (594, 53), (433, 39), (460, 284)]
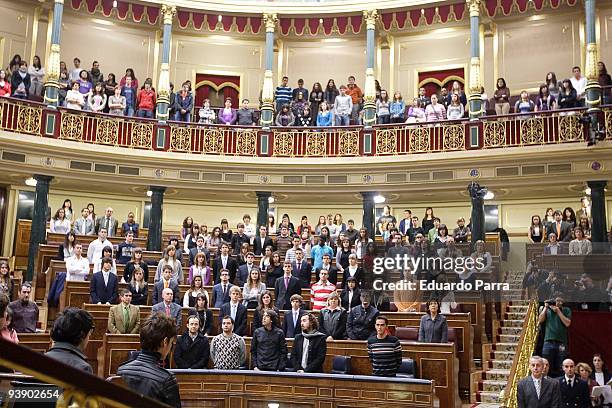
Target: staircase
[(498, 357)]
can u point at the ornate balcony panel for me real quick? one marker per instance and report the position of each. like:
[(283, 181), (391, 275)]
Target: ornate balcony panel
[(316, 142), (390, 140), (608, 122)]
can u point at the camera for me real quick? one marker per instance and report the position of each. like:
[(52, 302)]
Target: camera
[(551, 302)]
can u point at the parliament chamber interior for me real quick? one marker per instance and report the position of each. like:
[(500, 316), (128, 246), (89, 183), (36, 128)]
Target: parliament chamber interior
[(305, 203)]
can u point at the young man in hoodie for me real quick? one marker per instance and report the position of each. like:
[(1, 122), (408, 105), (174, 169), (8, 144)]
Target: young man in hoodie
[(309, 347), (146, 100)]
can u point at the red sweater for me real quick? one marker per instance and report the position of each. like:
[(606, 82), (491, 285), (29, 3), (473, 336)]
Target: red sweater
[(6, 89), (146, 99)]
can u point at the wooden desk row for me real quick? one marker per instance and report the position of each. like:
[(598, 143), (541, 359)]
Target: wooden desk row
[(598, 266), (434, 361)]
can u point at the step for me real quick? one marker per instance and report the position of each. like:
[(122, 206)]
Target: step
[(511, 330), (514, 316), (504, 355), (488, 397), (497, 375), (500, 364), (509, 338), (501, 346), (485, 405), (493, 385), (517, 309), (512, 323)]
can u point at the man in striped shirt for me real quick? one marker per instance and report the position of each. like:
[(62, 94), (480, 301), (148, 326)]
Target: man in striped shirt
[(320, 291), (385, 351), (283, 94)]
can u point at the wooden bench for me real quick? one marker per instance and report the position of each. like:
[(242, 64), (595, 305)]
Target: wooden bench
[(598, 266), (39, 342), (434, 361)]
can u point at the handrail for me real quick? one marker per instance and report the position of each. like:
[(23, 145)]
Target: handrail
[(525, 347), (489, 132), (81, 387)]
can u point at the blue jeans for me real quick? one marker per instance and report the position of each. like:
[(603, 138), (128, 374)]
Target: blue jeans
[(341, 120), (129, 111), (142, 113), (555, 353), (182, 117)]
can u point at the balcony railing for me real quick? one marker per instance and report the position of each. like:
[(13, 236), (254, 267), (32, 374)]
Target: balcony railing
[(491, 132)]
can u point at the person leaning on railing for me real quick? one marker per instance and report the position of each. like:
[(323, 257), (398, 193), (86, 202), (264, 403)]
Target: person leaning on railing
[(502, 98)]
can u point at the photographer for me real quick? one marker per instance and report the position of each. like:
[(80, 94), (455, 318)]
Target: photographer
[(551, 286), (556, 319), (588, 296), (532, 282)]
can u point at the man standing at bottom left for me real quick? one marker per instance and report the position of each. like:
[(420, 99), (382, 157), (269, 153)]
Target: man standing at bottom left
[(145, 374), (538, 391)]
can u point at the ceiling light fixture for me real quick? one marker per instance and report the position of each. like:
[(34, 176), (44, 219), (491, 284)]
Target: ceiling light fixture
[(379, 199), (114, 3), (31, 182), (489, 195), (149, 193)]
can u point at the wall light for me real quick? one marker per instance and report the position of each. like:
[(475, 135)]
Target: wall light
[(271, 200), (587, 191), (219, 18), (149, 193), (379, 199), (489, 196), (333, 40), (31, 182), (114, 3)]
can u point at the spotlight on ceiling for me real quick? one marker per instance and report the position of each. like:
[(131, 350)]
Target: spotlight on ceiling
[(379, 199)]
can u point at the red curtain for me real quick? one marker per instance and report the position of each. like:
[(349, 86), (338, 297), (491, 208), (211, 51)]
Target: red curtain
[(217, 88), (590, 333), (433, 81)]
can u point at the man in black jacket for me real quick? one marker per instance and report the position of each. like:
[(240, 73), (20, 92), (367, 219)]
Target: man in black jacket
[(192, 349), (70, 335), (145, 374), (285, 287), (262, 241), (309, 347), (269, 347), (361, 319)]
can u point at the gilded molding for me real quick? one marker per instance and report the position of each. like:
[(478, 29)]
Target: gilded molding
[(474, 6), (168, 11), (370, 86), (53, 64), (163, 86), (370, 16), (270, 20), (267, 94), (59, 1), (475, 82), (592, 58)]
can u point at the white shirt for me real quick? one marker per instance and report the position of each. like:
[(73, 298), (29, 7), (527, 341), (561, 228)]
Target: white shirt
[(94, 250), (579, 84), (599, 377), (105, 275), (59, 226), (234, 307), (296, 313), (97, 266), (224, 260), (77, 269), (73, 95), (249, 230)]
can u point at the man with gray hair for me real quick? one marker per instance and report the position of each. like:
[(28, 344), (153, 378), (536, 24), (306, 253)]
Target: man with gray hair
[(107, 221), (168, 307), (536, 390)]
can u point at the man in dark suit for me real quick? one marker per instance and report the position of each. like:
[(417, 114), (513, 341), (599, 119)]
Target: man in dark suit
[(168, 307), (224, 261), (301, 269), (332, 270), (285, 287), (291, 320), (239, 238), (221, 291), (166, 282), (245, 270), (262, 241), (561, 228), (406, 223), (236, 310), (574, 391), (537, 391), (108, 222), (197, 249), (192, 349), (104, 286)]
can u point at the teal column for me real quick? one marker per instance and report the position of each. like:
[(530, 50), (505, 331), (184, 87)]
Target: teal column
[(475, 96), (369, 97), (267, 92), (154, 237), (39, 222), (163, 87), (593, 89), (53, 64)]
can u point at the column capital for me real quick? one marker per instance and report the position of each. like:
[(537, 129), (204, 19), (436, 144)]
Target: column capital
[(59, 1), (42, 178), (591, 60), (270, 20), (370, 17), (368, 195), (263, 194), (597, 184), (474, 6), (168, 12), (157, 189)]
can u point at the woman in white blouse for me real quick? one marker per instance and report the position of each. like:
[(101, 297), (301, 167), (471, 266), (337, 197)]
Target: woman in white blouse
[(580, 245), (107, 252), (59, 223), (253, 288), (37, 77)]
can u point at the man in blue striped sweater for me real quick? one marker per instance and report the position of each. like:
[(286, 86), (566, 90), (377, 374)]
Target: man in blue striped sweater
[(385, 351), (283, 94)]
